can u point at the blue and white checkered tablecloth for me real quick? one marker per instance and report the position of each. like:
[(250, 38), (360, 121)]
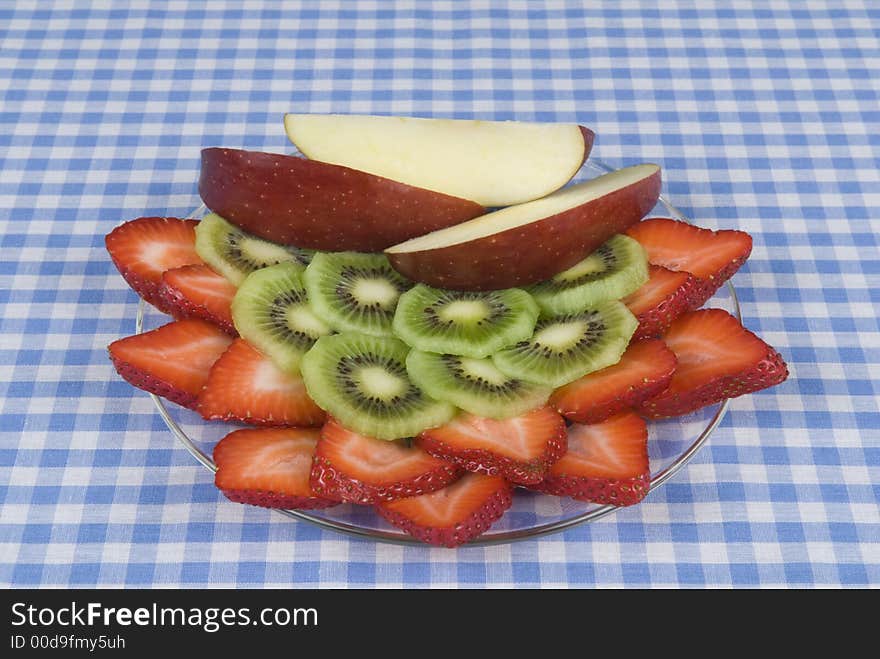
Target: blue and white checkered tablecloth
[(765, 117)]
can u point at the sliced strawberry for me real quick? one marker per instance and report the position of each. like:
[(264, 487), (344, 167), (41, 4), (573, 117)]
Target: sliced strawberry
[(196, 291), (361, 469), (606, 463), (171, 361), (712, 257), (453, 515), (717, 358), (246, 386), (268, 467), (644, 370), (664, 297), (520, 449), (144, 248)]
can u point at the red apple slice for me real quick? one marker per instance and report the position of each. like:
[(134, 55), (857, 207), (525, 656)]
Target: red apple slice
[(294, 201), (524, 244), (495, 163)]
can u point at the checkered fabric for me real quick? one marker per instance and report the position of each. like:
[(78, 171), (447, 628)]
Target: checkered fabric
[(765, 117)]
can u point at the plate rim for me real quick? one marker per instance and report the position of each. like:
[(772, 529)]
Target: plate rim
[(502, 537)]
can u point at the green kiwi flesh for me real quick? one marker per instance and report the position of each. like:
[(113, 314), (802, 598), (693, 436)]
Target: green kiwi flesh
[(362, 381), (566, 347), (614, 270), (271, 311), (235, 253), (472, 324), (354, 292), (474, 385)]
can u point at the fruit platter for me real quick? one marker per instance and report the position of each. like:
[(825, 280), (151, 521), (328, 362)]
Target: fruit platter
[(420, 330)]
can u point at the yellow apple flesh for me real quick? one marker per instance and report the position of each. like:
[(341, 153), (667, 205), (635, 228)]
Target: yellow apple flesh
[(494, 163)]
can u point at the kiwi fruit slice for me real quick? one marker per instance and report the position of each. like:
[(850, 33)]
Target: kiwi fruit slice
[(271, 310), (354, 292), (474, 385), (235, 253), (473, 324), (564, 348), (614, 270), (362, 381)]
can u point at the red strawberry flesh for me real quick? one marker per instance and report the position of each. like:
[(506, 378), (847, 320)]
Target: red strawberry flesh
[(520, 449), (196, 291), (144, 248), (717, 358), (172, 361), (454, 515), (664, 297), (712, 257), (365, 470), (606, 463), (246, 386), (268, 467), (644, 370)]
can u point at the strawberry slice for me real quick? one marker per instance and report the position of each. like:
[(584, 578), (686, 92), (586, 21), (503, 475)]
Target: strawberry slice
[(453, 515), (171, 361), (144, 248), (717, 358), (361, 469), (268, 467), (606, 463), (520, 449), (246, 386), (196, 291), (712, 257), (644, 370), (664, 297)]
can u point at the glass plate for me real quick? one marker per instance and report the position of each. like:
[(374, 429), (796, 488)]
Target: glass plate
[(672, 443)]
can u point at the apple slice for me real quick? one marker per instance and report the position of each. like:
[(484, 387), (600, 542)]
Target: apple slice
[(294, 201), (495, 163), (524, 244)]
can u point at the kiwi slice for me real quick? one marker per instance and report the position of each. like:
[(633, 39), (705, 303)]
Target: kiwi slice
[(473, 324), (271, 310), (235, 253), (614, 270), (564, 348), (474, 385), (362, 382), (354, 292)]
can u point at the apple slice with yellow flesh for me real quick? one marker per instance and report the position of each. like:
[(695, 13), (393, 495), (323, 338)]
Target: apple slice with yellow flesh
[(527, 243), (495, 163), (294, 201)]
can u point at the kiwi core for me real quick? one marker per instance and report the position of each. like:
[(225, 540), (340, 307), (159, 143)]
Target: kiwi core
[(482, 369), (459, 311), (300, 318), (376, 291), (561, 335), (377, 382), (591, 265), (262, 251)]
